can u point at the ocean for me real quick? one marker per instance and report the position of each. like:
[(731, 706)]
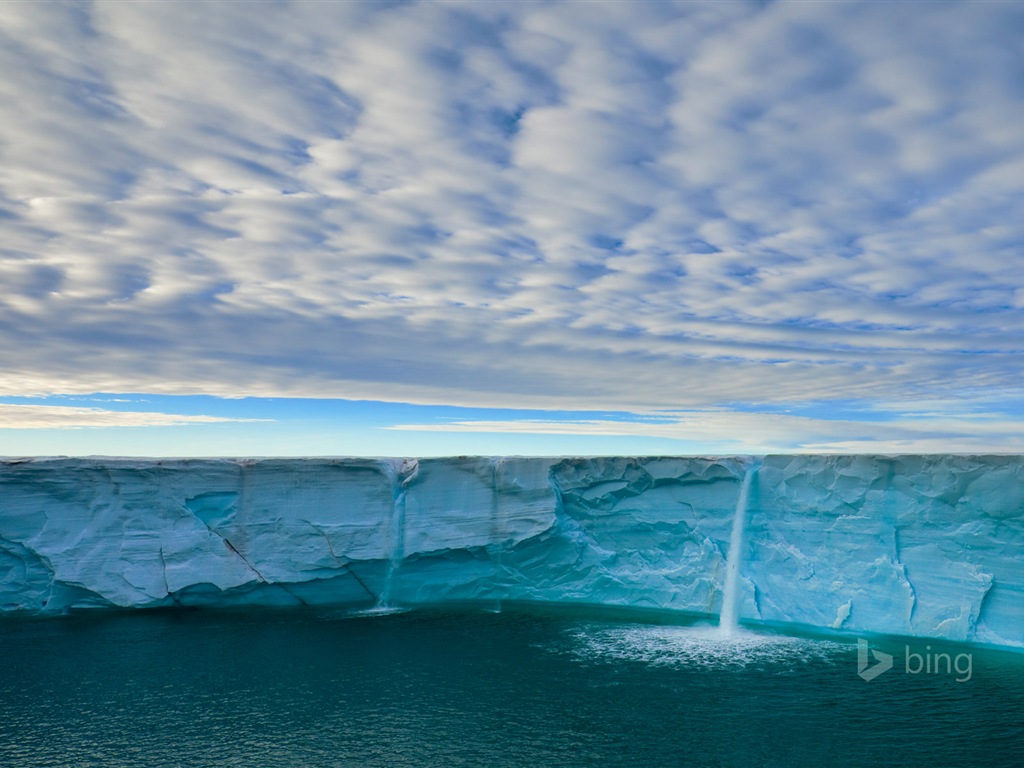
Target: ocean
[(467, 686)]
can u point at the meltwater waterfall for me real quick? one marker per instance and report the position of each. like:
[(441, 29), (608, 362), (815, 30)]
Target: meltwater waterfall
[(728, 621), (406, 472)]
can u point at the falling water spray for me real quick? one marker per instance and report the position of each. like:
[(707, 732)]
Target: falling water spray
[(728, 621)]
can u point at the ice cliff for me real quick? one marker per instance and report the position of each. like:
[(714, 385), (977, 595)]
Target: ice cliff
[(917, 545)]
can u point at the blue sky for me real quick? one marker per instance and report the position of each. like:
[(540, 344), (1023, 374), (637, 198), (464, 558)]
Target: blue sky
[(529, 228)]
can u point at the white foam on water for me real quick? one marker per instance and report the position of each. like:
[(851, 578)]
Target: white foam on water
[(697, 646), (377, 610)]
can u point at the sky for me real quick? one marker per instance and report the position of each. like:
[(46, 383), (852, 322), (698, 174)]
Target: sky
[(533, 228)]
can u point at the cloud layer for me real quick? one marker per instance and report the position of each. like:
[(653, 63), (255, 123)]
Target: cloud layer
[(602, 205), (71, 417), (731, 432)]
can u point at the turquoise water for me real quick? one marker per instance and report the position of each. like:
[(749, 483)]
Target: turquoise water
[(524, 687)]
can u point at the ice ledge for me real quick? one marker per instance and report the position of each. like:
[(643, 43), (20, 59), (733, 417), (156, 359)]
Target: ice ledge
[(918, 545)]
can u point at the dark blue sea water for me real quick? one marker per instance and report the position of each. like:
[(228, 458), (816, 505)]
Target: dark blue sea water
[(524, 687)]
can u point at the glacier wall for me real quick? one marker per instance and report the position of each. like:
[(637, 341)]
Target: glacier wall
[(917, 545)]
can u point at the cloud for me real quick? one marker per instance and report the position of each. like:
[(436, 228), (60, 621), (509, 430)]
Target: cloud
[(72, 417), (513, 204), (723, 431)]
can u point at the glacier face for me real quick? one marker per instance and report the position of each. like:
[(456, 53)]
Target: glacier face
[(917, 545)]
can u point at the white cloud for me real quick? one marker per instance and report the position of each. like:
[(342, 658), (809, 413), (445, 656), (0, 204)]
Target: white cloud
[(756, 433), (73, 417), (512, 204)]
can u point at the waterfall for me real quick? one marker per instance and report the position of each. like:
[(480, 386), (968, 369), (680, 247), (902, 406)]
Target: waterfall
[(406, 473), (728, 621), (497, 544), (395, 558)]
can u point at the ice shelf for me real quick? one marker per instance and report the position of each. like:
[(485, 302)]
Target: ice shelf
[(930, 546)]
